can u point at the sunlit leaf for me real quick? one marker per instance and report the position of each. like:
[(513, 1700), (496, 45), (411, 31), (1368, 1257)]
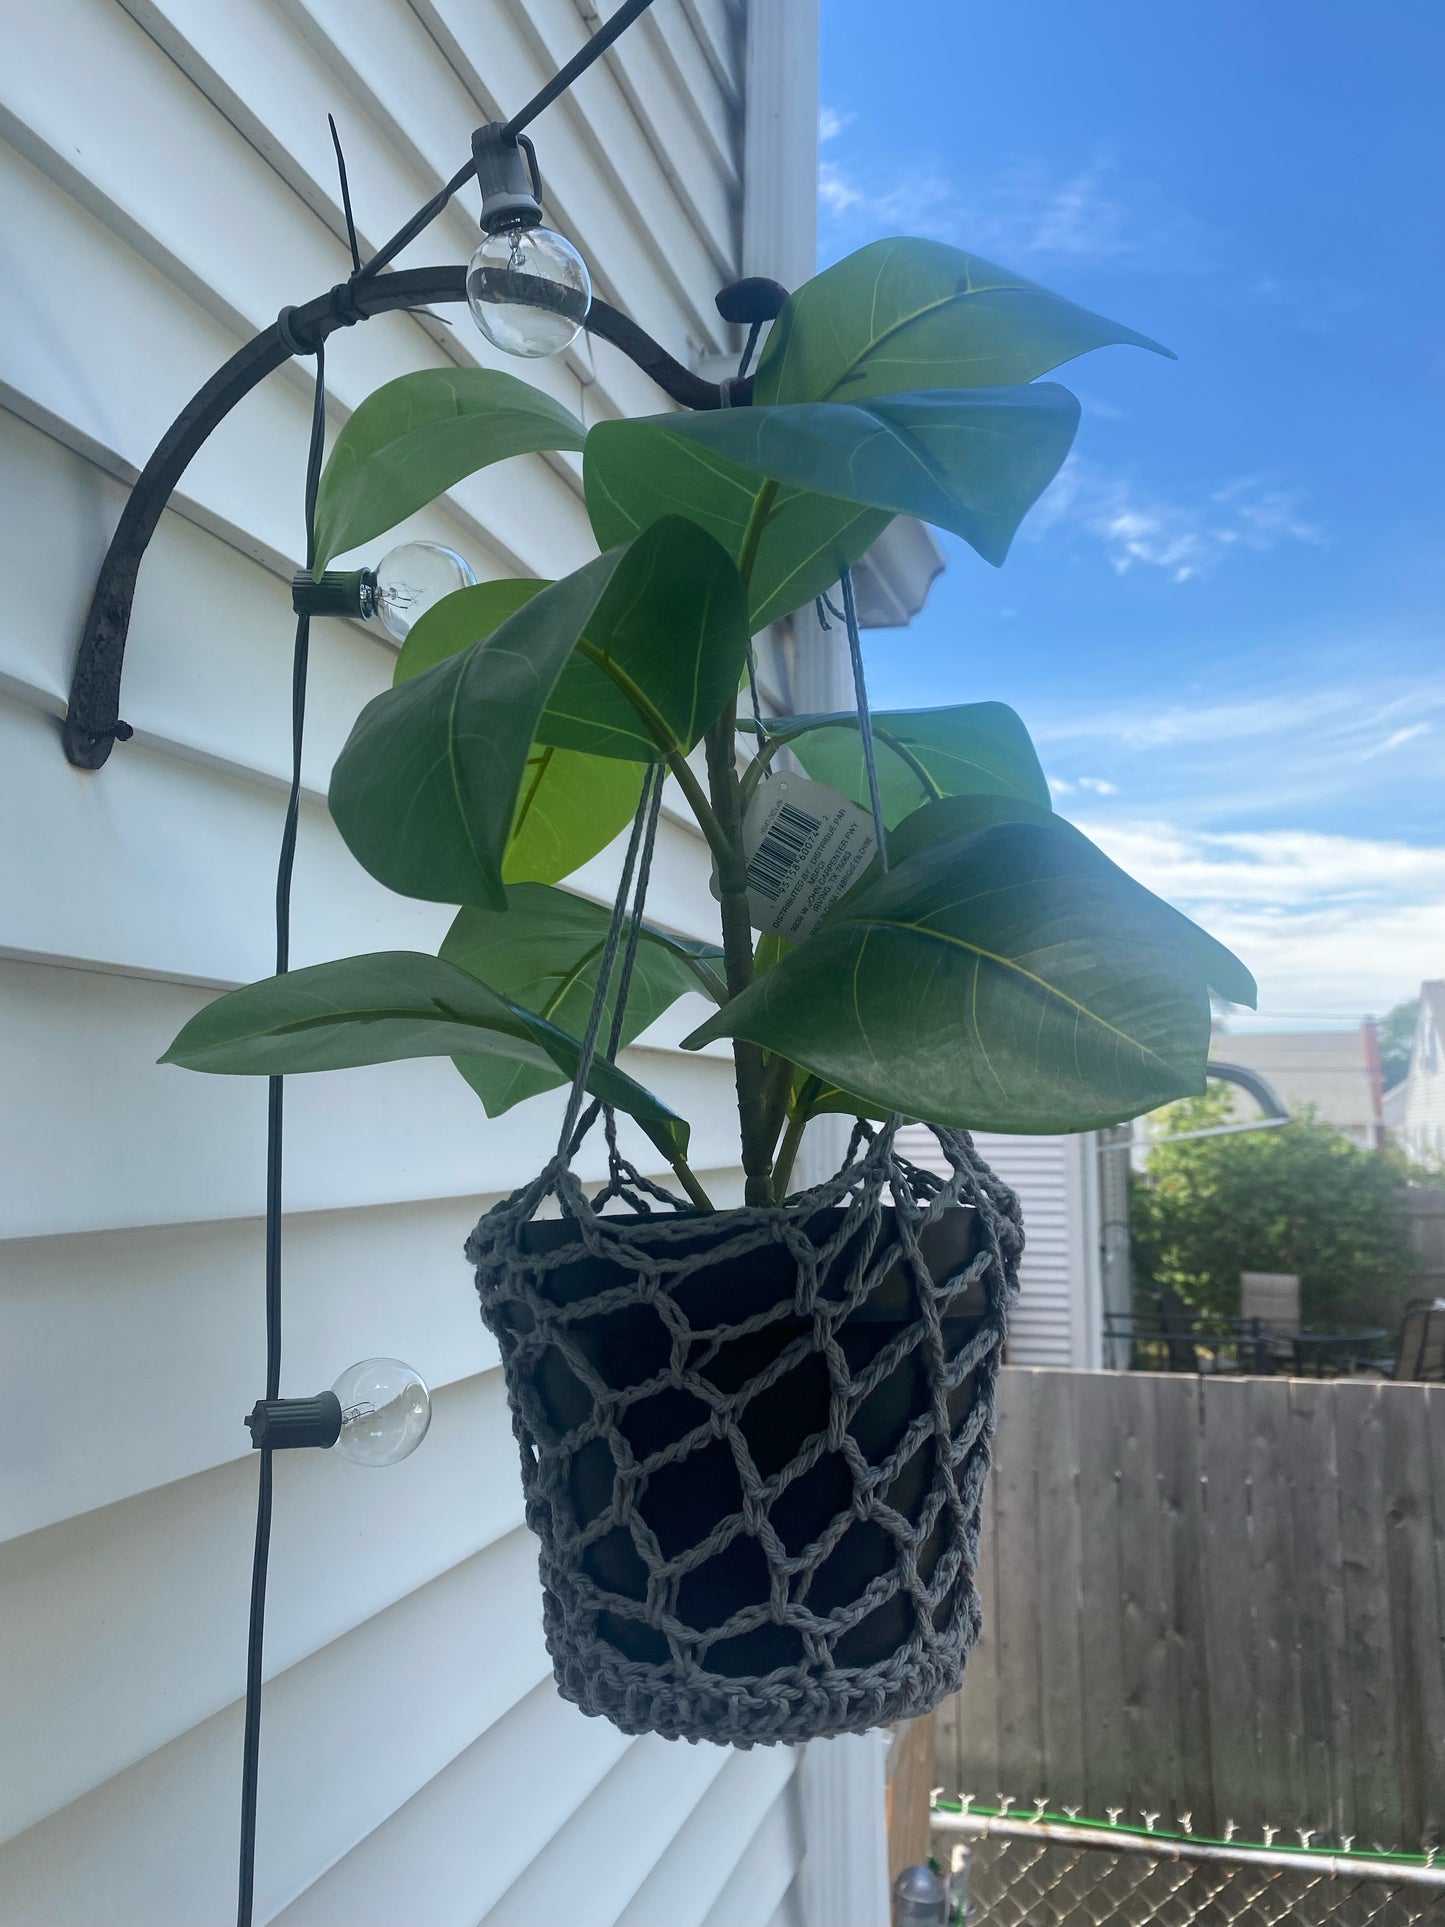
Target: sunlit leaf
[(417, 436), (906, 314), (394, 1004), (544, 952), (972, 460), (637, 472), (996, 980), (920, 754)]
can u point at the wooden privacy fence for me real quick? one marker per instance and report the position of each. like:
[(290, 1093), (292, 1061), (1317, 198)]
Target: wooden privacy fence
[(1216, 1597)]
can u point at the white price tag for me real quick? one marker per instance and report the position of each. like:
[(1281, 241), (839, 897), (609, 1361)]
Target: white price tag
[(805, 846)]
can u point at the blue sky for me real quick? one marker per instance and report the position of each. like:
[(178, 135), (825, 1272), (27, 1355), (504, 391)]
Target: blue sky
[(1224, 623)]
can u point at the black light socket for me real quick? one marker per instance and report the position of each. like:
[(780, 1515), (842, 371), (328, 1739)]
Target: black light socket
[(507, 175), (286, 1424), (338, 592)]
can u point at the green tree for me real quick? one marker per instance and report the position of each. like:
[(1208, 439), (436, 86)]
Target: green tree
[(1397, 1039), (1301, 1199)]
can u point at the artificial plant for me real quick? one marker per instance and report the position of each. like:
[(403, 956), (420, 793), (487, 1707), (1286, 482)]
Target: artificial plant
[(1002, 974)]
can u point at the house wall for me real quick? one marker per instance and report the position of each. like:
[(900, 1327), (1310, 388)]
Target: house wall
[(170, 185), (1058, 1319), (1422, 1124)]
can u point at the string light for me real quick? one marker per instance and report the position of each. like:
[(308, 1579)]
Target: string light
[(408, 580), (527, 286)]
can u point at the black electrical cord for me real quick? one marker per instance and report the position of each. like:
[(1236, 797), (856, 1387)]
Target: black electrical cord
[(286, 862), (556, 86)]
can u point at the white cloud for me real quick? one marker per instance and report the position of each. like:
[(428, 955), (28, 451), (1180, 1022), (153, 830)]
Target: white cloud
[(1100, 785), (1185, 539), (1328, 924), (1061, 786), (832, 121), (1025, 212), (1397, 739)]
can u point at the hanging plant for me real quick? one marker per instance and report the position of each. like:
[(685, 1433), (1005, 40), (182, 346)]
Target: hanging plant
[(753, 1441)]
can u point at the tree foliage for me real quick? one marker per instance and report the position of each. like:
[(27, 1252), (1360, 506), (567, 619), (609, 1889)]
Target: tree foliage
[(1299, 1199)]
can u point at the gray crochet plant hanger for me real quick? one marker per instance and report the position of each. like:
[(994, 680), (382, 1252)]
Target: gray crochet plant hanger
[(753, 1442)]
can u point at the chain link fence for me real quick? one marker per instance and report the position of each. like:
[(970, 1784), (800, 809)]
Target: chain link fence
[(1057, 1872)]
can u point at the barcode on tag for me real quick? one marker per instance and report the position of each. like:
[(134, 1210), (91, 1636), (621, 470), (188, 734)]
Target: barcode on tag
[(805, 844), (785, 843)]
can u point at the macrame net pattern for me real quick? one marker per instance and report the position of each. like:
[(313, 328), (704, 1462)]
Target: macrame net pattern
[(753, 1445)]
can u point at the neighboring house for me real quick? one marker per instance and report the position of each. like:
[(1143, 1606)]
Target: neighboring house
[(170, 185), (1420, 1127), (1336, 1072)]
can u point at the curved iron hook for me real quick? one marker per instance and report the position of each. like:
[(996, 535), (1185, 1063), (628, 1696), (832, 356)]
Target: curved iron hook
[(92, 721)]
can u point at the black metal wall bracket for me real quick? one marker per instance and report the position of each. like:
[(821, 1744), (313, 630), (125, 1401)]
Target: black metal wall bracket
[(92, 723)]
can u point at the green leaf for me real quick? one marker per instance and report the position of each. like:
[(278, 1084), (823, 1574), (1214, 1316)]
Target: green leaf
[(459, 620), (395, 1004), (569, 806), (426, 789), (544, 952), (973, 460), (432, 779), (907, 314), (921, 754), (996, 980), (637, 472), (1223, 971), (661, 655), (417, 436)]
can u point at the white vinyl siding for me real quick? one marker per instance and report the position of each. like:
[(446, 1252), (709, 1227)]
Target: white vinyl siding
[(169, 185), (1058, 1317)]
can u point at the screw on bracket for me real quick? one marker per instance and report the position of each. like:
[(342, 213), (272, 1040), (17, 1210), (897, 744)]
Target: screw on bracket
[(1073, 1812), (965, 1801), (1347, 1840), (1040, 1806), (1306, 1834), (1005, 1801), (1148, 1819), (1186, 1822), (1229, 1831), (1269, 1833), (1114, 1815)]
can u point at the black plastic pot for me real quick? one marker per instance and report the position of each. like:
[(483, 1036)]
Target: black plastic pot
[(683, 1501)]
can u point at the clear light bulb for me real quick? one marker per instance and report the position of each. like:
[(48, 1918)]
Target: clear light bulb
[(408, 580), (529, 291), (385, 1411)]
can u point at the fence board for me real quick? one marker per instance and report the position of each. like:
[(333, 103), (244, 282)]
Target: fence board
[(1098, 1589), (1018, 1579), (1224, 1597), (1060, 1604), (1361, 1435), (972, 1764), (1148, 1699), (1229, 1627), (1325, 1713), (1181, 1495), (1274, 1585), (1415, 1626)]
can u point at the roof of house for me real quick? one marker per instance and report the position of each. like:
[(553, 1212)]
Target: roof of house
[(1328, 1069)]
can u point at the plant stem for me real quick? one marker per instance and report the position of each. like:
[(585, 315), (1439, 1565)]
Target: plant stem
[(757, 769), (783, 1170), (737, 935), (690, 1184), (753, 534), (697, 801)]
